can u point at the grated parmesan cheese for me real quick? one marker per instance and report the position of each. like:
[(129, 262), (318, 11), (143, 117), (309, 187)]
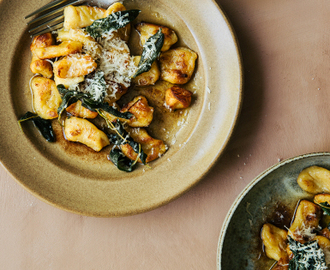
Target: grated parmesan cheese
[(116, 63), (113, 57)]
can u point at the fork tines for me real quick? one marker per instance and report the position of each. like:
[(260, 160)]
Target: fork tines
[(50, 17)]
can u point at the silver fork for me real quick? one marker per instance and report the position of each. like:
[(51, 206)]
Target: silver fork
[(50, 17)]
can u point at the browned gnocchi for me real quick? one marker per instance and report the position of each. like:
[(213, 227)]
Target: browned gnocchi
[(81, 130), (37, 65), (177, 98), (146, 30), (46, 98), (177, 65)]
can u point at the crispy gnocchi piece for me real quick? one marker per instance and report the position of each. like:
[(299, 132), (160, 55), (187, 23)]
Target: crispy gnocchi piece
[(83, 131), (177, 65), (37, 65), (68, 82), (76, 109), (147, 78), (153, 148), (81, 16), (42, 67), (46, 98), (89, 44), (147, 30), (306, 220), (63, 49), (112, 118), (314, 180), (122, 33), (177, 98), (143, 113), (274, 240), (74, 65), (42, 41)]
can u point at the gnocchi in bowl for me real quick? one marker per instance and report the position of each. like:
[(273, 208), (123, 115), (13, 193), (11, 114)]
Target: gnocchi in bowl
[(84, 74), (280, 220)]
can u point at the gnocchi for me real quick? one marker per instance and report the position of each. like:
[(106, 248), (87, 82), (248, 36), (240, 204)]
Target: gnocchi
[(81, 130), (46, 98), (146, 30), (177, 65)]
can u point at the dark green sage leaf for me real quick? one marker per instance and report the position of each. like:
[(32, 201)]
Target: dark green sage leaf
[(121, 161), (138, 149), (122, 137), (151, 51), (61, 89), (87, 101), (68, 98), (308, 256), (27, 116), (114, 21), (44, 126), (325, 207), (89, 104)]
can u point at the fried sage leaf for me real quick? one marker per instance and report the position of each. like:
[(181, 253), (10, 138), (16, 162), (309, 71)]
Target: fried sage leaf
[(70, 96), (325, 207), (114, 21), (122, 137), (151, 51), (121, 161), (44, 126), (307, 256)]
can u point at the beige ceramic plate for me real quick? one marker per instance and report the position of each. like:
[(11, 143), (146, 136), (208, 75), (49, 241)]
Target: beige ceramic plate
[(75, 179)]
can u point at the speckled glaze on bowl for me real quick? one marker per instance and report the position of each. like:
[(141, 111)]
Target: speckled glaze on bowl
[(91, 186), (239, 244)]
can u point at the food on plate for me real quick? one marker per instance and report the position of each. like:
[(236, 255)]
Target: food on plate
[(81, 16), (74, 65), (177, 98), (177, 65), (142, 112), (78, 110), (37, 65), (147, 78), (274, 240), (306, 243), (314, 180), (68, 82), (46, 98), (152, 147), (80, 130), (63, 49), (84, 74), (147, 30)]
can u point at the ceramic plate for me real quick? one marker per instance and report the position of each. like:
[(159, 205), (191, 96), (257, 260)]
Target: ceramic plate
[(78, 180), (239, 243)]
